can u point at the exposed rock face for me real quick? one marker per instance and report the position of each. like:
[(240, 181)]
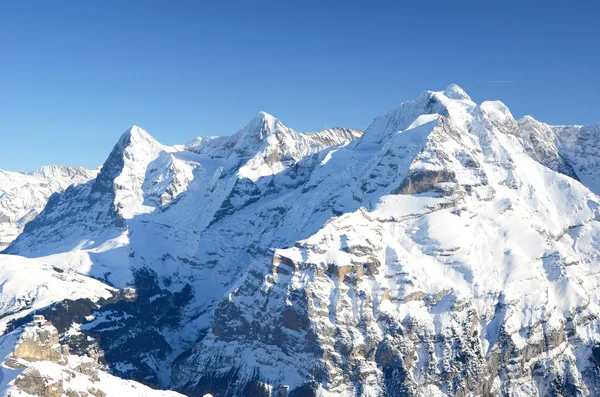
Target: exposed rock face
[(448, 251), (570, 150), (40, 344), (31, 381), (49, 371), (424, 182), (541, 143), (581, 146), (384, 301)]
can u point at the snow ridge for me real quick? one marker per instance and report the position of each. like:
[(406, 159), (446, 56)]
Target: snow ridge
[(448, 250), (24, 195)]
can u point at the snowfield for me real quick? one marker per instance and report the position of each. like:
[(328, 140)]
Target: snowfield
[(27, 285), (449, 250)]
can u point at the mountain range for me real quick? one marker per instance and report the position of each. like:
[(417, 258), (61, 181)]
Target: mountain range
[(24, 195), (447, 250)]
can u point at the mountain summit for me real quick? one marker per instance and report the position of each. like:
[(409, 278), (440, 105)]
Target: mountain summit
[(449, 250), (453, 91)]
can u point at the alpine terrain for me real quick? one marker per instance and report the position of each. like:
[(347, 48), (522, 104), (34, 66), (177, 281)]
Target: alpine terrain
[(447, 250), (24, 195)]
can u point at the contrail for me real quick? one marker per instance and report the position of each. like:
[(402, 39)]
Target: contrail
[(497, 81)]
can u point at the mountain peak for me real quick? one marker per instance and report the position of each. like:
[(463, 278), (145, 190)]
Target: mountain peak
[(136, 137), (453, 91), (452, 102), (265, 116), (134, 144), (264, 124), (527, 118), (496, 110), (135, 131), (251, 137)]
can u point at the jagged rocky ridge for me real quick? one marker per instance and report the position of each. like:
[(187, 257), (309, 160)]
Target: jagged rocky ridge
[(24, 195), (448, 250)]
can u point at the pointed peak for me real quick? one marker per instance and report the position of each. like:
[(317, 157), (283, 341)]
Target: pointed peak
[(135, 144), (262, 125), (136, 135), (262, 115), (265, 119), (135, 130), (453, 91), (135, 138), (527, 119)]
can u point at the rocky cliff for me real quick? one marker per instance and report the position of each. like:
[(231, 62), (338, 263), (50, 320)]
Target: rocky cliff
[(40, 365), (24, 195), (449, 250)]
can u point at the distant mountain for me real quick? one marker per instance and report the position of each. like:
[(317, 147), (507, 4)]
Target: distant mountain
[(24, 195), (449, 250)]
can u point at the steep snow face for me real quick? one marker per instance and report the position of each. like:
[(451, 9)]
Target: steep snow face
[(428, 103), (453, 91), (85, 230), (149, 223), (27, 285), (24, 195), (472, 278), (244, 143), (438, 253), (141, 175), (144, 173)]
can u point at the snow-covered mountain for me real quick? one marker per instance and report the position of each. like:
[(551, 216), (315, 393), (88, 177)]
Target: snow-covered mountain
[(570, 150), (35, 363), (24, 195), (448, 250)]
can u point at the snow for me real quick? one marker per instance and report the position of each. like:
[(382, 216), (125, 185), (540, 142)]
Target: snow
[(490, 239), (27, 285), (24, 195), (66, 373), (453, 91), (512, 217), (111, 385), (496, 110), (140, 151), (423, 119)]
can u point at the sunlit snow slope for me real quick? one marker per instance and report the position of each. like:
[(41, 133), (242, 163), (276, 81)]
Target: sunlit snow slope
[(450, 250)]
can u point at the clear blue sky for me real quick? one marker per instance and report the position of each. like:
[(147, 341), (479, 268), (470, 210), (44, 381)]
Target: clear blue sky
[(74, 75)]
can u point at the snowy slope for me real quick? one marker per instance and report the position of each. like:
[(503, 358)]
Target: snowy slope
[(24, 195), (114, 228), (27, 285), (448, 250), (473, 277)]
